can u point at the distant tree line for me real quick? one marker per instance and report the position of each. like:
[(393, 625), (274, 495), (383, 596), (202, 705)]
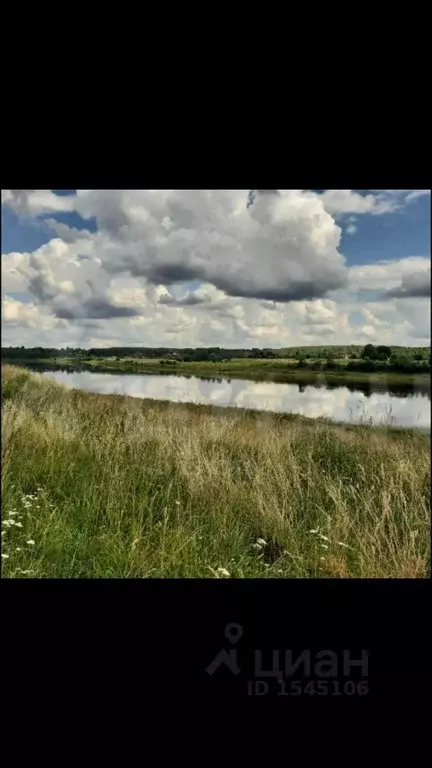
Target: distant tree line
[(368, 358)]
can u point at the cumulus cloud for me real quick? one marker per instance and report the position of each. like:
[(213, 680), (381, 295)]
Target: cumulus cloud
[(343, 201), (66, 233), (284, 247), (18, 314), (414, 285), (386, 275), (95, 308), (34, 202), (206, 268)]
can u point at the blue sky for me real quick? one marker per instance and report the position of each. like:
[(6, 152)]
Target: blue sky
[(390, 236), (21, 233), (135, 287)]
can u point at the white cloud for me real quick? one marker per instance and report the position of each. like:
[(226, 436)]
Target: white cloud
[(284, 247), (187, 268), (18, 314), (35, 202), (343, 201), (416, 193), (386, 274)]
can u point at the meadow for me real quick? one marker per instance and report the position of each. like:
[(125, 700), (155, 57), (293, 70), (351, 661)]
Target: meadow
[(111, 486)]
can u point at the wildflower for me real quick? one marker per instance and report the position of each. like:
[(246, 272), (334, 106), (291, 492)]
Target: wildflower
[(314, 530), (4, 556), (325, 538), (279, 570), (322, 558), (18, 549), (30, 541), (262, 542), (324, 546), (177, 503), (257, 546), (223, 571), (19, 525)]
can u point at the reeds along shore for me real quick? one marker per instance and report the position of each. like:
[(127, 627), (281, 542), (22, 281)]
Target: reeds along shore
[(109, 486)]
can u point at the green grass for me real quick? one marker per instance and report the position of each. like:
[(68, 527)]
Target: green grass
[(110, 486)]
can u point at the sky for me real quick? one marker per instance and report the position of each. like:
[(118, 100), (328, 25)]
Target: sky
[(228, 268)]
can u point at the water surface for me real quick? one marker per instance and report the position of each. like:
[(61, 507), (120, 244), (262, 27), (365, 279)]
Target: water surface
[(408, 408)]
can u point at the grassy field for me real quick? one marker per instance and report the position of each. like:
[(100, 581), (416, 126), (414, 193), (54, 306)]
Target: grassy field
[(110, 486), (278, 370)]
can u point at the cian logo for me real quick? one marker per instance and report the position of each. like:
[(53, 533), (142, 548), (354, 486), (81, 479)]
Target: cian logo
[(233, 633)]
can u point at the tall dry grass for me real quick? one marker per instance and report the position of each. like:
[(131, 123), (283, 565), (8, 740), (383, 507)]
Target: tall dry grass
[(109, 486)]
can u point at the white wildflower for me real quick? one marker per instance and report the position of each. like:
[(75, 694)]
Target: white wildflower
[(19, 525), (314, 530), (30, 541), (4, 556), (18, 549), (178, 503), (325, 538), (12, 512), (262, 542), (324, 546), (257, 546)]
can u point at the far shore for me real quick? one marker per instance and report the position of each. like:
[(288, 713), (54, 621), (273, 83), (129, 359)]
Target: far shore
[(282, 371)]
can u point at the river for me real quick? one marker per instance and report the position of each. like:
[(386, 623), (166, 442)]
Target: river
[(405, 408)]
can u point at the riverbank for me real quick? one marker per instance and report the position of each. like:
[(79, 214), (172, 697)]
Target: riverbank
[(255, 370), (111, 486)]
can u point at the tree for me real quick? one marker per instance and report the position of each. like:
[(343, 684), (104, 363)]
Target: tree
[(201, 355), (383, 352), (369, 352)]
